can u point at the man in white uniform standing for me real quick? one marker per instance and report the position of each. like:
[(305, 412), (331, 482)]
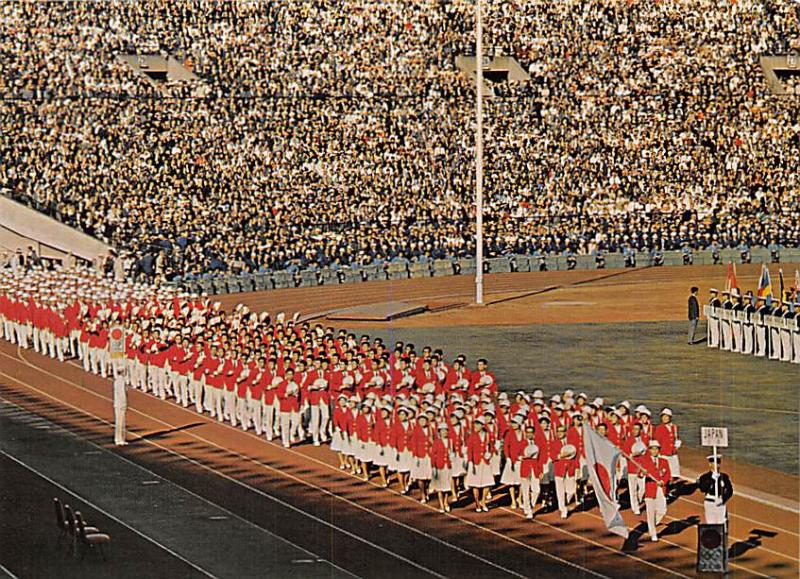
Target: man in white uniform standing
[(120, 407)]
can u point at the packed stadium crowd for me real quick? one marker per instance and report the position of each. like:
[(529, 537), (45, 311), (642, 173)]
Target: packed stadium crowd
[(341, 132), (414, 418)]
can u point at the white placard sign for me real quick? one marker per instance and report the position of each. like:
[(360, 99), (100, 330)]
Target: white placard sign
[(714, 436)]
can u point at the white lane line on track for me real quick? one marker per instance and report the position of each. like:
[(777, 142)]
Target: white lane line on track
[(279, 472), (275, 499), (743, 495), (5, 570), (102, 449), (357, 505), (106, 513), (307, 457)]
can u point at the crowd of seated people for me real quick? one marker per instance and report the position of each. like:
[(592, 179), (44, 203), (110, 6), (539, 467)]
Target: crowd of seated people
[(335, 133)]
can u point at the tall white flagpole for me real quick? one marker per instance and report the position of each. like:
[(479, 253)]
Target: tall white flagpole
[(479, 154)]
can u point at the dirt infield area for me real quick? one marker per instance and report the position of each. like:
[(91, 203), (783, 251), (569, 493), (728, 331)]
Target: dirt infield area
[(301, 494), (578, 296)]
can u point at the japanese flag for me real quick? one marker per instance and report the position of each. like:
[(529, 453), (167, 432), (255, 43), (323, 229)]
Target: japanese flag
[(602, 457)]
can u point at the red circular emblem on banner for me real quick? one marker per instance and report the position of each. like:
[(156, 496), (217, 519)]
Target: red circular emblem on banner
[(116, 334), (602, 475)]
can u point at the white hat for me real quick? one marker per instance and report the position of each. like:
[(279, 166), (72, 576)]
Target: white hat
[(531, 450), (655, 443), (666, 411), (638, 449), (568, 451)]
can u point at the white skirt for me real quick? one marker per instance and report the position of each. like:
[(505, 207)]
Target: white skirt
[(421, 468), (674, 465), (479, 477), (337, 441), (404, 464), (511, 477), (348, 446), (441, 480), (382, 454), (458, 462), (364, 450), (494, 462)]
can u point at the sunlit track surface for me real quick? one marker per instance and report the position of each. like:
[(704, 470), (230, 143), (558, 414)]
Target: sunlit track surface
[(302, 496)]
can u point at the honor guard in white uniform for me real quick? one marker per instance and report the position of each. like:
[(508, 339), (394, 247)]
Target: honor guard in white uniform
[(726, 334), (748, 328), (713, 319), (736, 322), (796, 335), (786, 334), (775, 331), (120, 407), (762, 333)]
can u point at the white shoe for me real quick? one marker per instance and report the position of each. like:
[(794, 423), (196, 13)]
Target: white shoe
[(528, 515), (564, 514), (654, 538)]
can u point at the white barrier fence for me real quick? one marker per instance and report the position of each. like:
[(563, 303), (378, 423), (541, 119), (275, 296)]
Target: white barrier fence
[(755, 332)]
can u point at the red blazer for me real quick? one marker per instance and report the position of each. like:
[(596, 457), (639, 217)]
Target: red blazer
[(440, 458), (420, 441), (477, 448), (562, 466), (398, 437), (513, 447), (657, 470), (532, 466), (666, 435)]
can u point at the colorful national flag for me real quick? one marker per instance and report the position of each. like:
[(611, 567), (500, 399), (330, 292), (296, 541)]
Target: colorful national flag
[(764, 284), (602, 457), (731, 283)]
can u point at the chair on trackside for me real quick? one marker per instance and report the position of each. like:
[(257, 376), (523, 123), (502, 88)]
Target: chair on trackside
[(61, 521), (89, 540), (72, 530)]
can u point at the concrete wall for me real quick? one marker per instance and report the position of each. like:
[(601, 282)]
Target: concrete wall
[(21, 226)]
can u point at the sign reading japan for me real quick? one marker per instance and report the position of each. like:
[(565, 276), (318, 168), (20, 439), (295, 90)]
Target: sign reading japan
[(714, 436)]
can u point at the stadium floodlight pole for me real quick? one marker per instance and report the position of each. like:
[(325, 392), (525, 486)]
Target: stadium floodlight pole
[(478, 154)]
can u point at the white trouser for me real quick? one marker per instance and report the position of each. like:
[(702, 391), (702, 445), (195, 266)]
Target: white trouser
[(242, 405), (320, 415), (254, 414), (182, 389), (22, 335), (715, 514), (530, 489), (635, 492), (713, 333), (656, 509), (35, 339), (747, 339), (208, 398), (268, 414), (786, 346), (796, 349), (761, 340), (216, 403), (290, 427), (197, 394), (229, 408), (774, 344), (565, 491), (119, 425)]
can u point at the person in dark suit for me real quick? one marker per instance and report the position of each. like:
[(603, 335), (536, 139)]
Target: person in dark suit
[(694, 314), (718, 490)]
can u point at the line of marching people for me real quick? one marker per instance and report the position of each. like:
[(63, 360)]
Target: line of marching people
[(410, 419)]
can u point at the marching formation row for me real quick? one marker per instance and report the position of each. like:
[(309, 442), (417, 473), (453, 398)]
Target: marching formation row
[(405, 417), (749, 325)]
